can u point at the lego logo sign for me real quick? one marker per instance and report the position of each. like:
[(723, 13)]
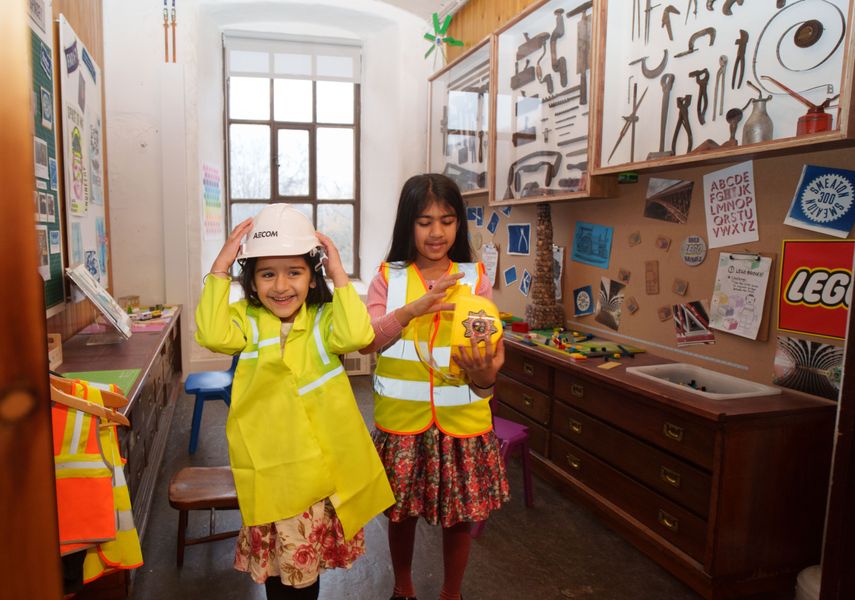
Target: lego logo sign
[(816, 287)]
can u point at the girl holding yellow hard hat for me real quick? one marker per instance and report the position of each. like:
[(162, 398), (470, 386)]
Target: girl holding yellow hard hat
[(306, 473), (432, 394)]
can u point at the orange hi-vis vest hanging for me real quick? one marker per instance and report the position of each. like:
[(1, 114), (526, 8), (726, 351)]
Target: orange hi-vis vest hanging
[(409, 397), (123, 552), (84, 490)]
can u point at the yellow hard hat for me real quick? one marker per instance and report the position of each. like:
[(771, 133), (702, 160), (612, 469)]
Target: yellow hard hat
[(279, 230)]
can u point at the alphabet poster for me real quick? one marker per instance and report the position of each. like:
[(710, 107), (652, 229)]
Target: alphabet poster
[(82, 121), (730, 206), (740, 293), (816, 287)]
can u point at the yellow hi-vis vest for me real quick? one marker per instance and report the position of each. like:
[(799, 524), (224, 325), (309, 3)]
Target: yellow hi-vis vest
[(409, 397), (123, 552), (295, 432)]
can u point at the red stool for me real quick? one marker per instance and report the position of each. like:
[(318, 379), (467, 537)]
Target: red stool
[(201, 488)]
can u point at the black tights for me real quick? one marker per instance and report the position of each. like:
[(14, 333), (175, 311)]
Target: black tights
[(276, 590)]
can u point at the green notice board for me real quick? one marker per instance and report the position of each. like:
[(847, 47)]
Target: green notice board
[(46, 186), (124, 378)]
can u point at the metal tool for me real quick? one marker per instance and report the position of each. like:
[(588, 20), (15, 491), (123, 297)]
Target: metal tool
[(739, 64), (718, 91), (531, 45), (816, 119), (647, 10), (667, 82), (728, 6), (549, 158), (538, 73), (567, 110), (758, 126), (629, 87), (666, 19), (629, 123), (443, 127), (570, 90), (655, 71), (702, 78), (636, 18), (575, 140), (559, 63), (706, 32), (710, 4), (733, 117), (689, 7), (583, 59), (683, 104)]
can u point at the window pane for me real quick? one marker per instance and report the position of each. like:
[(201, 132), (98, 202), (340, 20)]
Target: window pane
[(335, 102), (292, 100), (335, 66), (249, 98), (335, 163), (249, 161), (241, 211), (336, 221), (293, 160), (292, 64), (244, 61)]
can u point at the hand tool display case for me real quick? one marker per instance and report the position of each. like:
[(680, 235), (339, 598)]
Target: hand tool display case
[(458, 119), (695, 81), (541, 95)]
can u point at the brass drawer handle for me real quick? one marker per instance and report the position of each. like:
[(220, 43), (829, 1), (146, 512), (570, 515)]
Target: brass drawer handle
[(528, 369), (577, 390), (528, 400), (574, 462), (670, 477), (575, 426), (668, 521), (672, 431)]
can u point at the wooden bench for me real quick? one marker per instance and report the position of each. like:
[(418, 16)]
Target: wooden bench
[(201, 488)]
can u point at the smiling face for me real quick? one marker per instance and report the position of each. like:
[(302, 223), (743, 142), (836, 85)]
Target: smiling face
[(282, 284), (434, 233)]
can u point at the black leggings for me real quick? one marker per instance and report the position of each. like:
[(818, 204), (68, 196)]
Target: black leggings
[(276, 590)]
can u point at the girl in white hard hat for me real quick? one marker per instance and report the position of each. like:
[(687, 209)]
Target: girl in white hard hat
[(434, 438), (307, 475)]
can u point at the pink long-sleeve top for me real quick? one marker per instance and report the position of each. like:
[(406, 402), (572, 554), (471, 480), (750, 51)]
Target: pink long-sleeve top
[(387, 329)]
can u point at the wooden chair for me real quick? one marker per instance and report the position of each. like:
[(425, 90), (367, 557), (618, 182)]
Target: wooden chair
[(201, 488)]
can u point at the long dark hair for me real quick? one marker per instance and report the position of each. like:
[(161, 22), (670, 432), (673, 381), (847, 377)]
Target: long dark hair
[(320, 294), (418, 192)]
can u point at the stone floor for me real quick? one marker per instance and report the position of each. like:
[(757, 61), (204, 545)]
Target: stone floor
[(556, 550)]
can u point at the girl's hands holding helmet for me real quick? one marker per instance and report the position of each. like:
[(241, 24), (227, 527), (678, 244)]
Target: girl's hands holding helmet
[(481, 364), (223, 263), (431, 302), (332, 264)]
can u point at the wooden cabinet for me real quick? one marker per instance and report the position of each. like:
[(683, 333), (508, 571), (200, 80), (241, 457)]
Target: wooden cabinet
[(729, 496), (150, 408)]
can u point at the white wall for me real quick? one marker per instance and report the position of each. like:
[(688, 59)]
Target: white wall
[(143, 203)]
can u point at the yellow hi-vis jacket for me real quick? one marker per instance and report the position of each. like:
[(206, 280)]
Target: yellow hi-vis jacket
[(295, 433), (123, 552), (409, 397)]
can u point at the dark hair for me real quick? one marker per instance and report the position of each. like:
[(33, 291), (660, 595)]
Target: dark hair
[(320, 294), (418, 192)]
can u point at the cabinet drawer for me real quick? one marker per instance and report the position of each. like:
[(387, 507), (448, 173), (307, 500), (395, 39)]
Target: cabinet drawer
[(665, 474), (538, 435), (527, 400), (533, 372), (663, 517), (667, 429)]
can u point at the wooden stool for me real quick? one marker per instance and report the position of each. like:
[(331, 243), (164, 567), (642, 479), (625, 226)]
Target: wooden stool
[(201, 488)]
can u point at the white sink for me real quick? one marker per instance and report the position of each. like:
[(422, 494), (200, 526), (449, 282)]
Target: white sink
[(703, 382)]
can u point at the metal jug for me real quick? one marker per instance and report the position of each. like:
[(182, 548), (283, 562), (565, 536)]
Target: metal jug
[(758, 126)]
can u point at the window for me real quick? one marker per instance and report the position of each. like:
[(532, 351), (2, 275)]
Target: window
[(292, 133)]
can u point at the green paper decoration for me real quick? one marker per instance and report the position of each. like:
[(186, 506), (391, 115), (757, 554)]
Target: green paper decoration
[(439, 39)]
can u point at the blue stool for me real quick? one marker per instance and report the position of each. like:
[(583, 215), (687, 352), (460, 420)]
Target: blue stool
[(208, 385)]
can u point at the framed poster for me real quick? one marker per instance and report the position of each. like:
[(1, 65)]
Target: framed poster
[(48, 226), (816, 287), (82, 123)]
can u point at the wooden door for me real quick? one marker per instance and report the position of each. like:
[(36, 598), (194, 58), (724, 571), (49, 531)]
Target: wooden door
[(29, 567)]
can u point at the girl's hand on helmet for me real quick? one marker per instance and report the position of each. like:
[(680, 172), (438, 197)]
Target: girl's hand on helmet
[(226, 257), (481, 364), (332, 264), (431, 302)]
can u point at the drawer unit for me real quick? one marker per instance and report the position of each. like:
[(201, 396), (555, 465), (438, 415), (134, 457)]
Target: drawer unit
[(665, 474), (670, 430), (532, 403), (529, 371), (538, 435), (667, 519)]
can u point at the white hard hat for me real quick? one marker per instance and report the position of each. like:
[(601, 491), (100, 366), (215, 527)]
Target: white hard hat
[(279, 230)]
